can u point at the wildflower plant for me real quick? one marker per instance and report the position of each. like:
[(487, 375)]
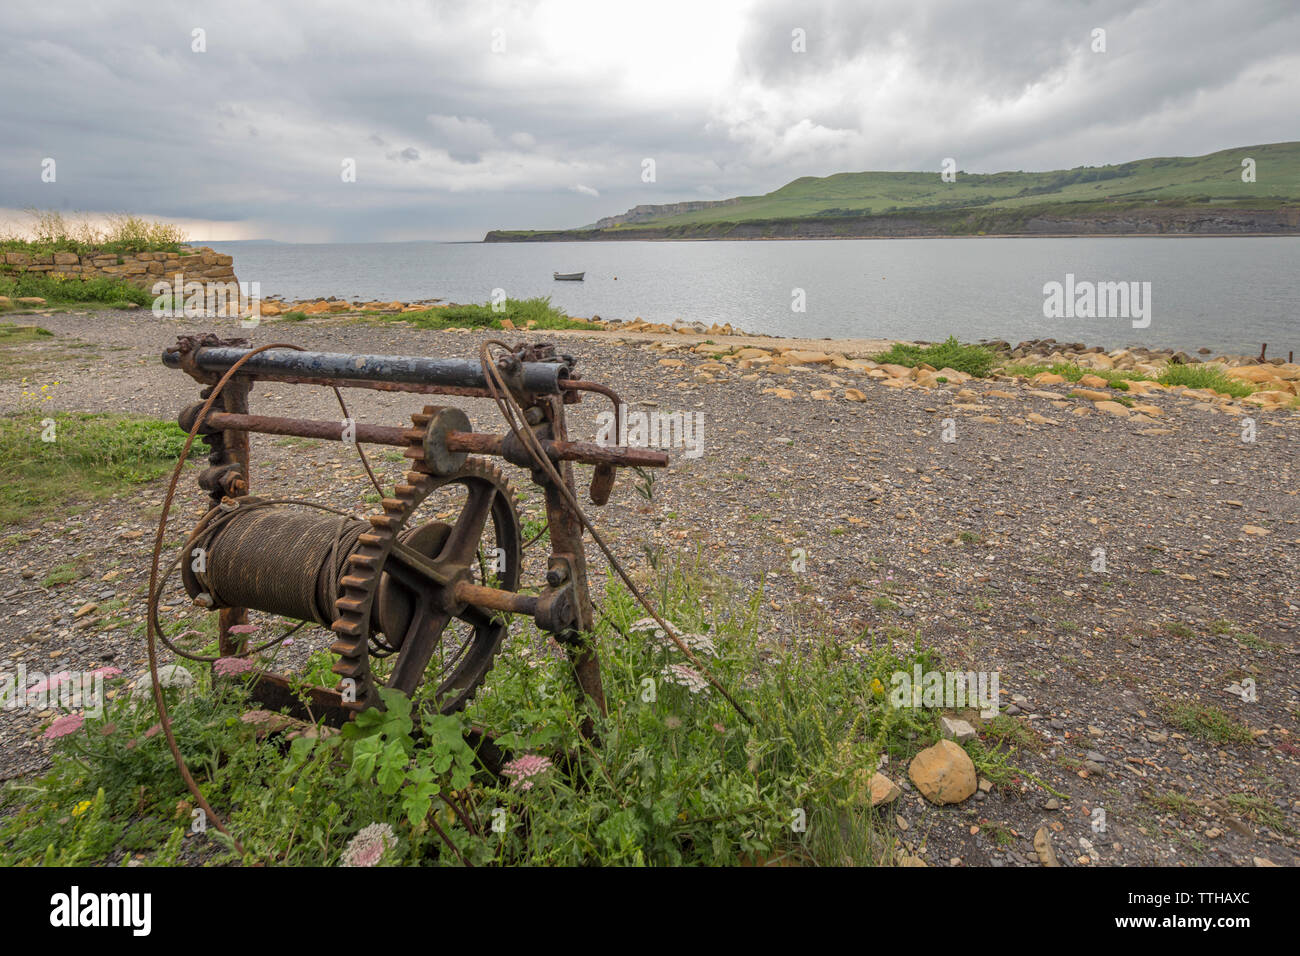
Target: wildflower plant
[(369, 846), (34, 396), (670, 778)]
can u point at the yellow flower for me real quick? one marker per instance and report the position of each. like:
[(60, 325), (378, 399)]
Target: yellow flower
[(81, 808), (876, 686)]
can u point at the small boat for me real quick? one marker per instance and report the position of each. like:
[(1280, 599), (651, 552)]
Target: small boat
[(568, 276)]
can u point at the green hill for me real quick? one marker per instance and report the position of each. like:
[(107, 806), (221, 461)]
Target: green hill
[(1164, 194)]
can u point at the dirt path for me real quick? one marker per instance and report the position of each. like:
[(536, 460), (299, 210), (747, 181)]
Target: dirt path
[(984, 544)]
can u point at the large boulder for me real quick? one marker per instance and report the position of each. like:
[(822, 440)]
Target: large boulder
[(1256, 374), (943, 773)]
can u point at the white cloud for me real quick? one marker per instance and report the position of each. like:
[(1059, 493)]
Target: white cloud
[(712, 91)]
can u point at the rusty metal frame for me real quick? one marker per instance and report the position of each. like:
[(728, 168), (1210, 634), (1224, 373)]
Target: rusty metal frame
[(540, 380)]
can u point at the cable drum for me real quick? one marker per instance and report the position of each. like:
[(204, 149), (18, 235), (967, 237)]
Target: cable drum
[(276, 560)]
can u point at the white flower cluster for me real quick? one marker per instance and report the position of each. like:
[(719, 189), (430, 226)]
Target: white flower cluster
[(368, 846), (684, 676), (698, 643)]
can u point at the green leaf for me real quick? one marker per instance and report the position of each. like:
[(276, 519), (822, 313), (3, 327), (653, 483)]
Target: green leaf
[(417, 797), (392, 767), (365, 755)]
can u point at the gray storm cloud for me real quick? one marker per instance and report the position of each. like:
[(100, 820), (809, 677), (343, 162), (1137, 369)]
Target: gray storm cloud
[(462, 117)]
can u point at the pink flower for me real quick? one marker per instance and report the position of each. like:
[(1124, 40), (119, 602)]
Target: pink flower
[(67, 724), (52, 682), (367, 847), (522, 769), (105, 672), (230, 666), (244, 629), (684, 676)]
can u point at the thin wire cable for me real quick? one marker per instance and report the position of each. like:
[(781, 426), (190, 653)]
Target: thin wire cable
[(151, 633), (365, 462), (514, 416)]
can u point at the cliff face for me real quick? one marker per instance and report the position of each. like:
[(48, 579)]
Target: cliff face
[(1172, 221), (1155, 221), (644, 213)]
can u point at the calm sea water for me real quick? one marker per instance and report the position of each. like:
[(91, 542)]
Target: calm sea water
[(1226, 294)]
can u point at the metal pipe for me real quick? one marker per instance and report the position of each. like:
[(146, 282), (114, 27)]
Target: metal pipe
[(587, 453), (540, 378), (303, 428), (476, 443), (494, 598)]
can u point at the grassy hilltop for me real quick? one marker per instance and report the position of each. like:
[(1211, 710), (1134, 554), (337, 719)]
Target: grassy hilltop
[(1149, 192)]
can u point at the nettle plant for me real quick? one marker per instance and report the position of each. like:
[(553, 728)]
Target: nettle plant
[(672, 776)]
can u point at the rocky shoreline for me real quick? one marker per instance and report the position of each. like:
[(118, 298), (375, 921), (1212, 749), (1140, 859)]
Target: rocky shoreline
[(1048, 349), (1275, 381)]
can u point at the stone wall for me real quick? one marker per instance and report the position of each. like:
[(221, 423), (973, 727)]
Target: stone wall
[(139, 268)]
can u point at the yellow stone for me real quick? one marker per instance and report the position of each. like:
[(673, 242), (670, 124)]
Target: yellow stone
[(1113, 408)]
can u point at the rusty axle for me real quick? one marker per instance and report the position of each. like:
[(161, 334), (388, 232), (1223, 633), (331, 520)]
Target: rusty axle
[(477, 443)]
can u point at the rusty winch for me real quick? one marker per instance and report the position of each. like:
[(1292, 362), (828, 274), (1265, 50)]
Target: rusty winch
[(417, 594)]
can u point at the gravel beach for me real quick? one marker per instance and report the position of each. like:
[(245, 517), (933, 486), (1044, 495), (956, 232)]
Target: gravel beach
[(970, 513)]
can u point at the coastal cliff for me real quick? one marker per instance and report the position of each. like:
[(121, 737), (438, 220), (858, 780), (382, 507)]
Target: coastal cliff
[(1125, 220)]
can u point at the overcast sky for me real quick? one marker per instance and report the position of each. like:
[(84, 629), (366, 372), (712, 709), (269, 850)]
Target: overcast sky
[(452, 137)]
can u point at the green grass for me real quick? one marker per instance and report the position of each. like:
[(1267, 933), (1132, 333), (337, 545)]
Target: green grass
[(1114, 378), (50, 231), (11, 334), (1206, 722), (18, 360), (72, 289), (1209, 376), (1253, 642), (519, 311), (1173, 802), (1214, 178), (64, 573), (677, 779), (1005, 731), (92, 456), (1259, 810), (1224, 628), (972, 359)]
